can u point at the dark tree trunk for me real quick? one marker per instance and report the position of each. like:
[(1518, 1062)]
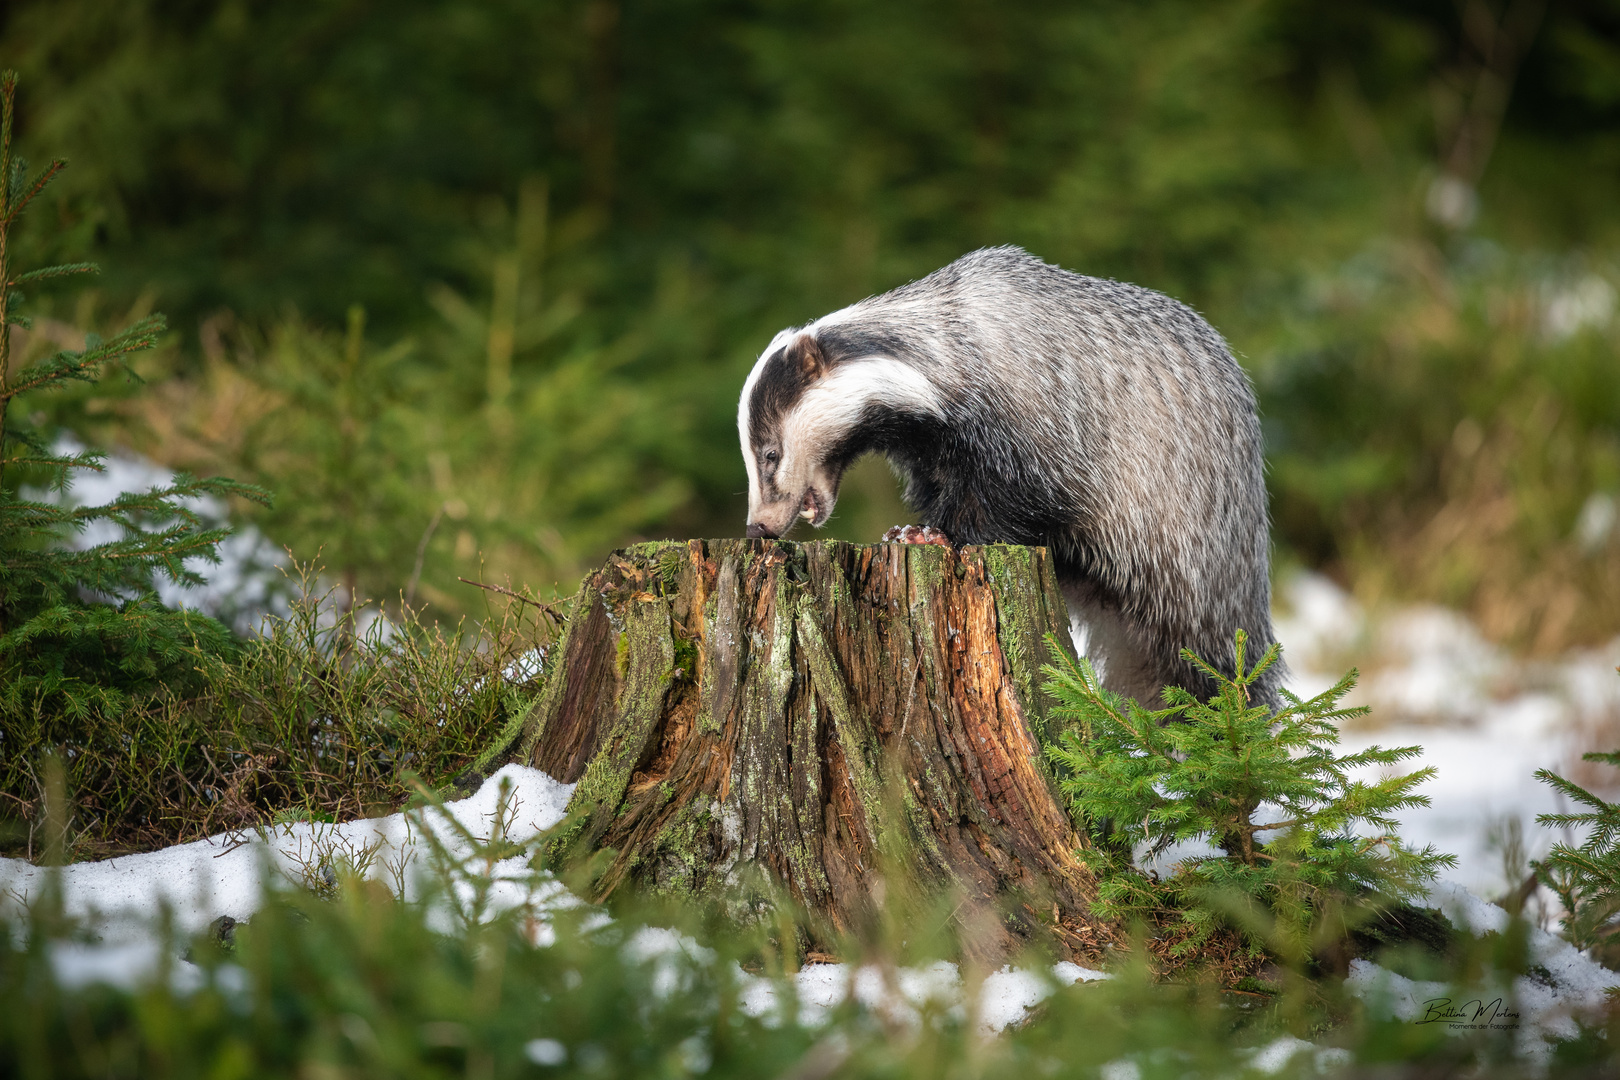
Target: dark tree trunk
[(759, 720)]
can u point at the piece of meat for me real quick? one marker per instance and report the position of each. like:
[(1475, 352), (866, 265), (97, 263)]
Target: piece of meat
[(916, 534)]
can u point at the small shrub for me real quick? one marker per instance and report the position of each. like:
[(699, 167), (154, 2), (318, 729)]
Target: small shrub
[(1585, 878), (320, 718), (1206, 770)]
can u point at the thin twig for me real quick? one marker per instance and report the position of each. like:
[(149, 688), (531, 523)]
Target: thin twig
[(549, 609), (421, 553)]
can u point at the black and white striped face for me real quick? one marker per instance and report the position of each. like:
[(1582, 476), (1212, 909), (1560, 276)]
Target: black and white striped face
[(801, 421)]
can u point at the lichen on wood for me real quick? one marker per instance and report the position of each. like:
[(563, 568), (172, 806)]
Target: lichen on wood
[(852, 708)]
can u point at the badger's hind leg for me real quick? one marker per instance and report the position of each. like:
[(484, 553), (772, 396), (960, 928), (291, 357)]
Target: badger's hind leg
[(1102, 634)]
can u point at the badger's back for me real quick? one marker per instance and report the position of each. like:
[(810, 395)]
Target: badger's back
[(1102, 419)]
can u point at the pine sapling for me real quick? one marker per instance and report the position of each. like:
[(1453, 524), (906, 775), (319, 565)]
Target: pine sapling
[(1585, 878), (80, 627), (349, 450), (1266, 788)]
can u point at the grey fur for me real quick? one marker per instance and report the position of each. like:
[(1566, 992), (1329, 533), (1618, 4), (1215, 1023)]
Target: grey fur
[(1103, 420)]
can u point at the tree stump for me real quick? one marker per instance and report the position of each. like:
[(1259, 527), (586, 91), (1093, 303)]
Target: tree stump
[(764, 719)]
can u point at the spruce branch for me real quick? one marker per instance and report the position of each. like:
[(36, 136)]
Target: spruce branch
[(19, 200), (59, 270), (90, 363)]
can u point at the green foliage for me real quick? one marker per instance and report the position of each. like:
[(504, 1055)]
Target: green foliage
[(363, 984), (1225, 771), (344, 977), (266, 154), (80, 626), (1444, 422), (320, 716), (490, 446), (689, 179), (342, 448), (572, 446), (85, 661), (1585, 878)]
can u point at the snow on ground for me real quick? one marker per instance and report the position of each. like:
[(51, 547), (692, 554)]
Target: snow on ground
[(121, 901), (1004, 996), (1485, 720), (898, 994), (1564, 984)]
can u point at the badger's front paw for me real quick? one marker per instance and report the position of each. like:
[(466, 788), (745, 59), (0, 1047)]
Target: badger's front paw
[(916, 534)]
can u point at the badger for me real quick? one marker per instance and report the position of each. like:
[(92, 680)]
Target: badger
[(1022, 403)]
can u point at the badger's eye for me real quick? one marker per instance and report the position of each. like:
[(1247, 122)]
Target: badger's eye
[(772, 457)]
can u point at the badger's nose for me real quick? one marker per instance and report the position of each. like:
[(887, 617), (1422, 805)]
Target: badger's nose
[(758, 531)]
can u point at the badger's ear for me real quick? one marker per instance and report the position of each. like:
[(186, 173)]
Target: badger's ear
[(804, 355)]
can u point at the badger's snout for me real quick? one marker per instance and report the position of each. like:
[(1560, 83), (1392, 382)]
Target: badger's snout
[(757, 530)]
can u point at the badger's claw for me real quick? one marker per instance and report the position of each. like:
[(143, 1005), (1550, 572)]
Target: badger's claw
[(916, 534)]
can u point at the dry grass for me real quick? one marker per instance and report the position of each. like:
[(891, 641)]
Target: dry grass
[(327, 717)]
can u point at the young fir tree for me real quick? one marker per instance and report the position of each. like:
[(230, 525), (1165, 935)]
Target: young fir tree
[(572, 448), (346, 450), (1229, 771), (1585, 878), (80, 625)]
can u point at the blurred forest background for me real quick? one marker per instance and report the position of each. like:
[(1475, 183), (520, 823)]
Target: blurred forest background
[(472, 286)]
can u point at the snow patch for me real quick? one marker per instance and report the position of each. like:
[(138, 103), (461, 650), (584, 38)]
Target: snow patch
[(1005, 996), (122, 901), (1276, 1056), (1485, 720), (1565, 985)]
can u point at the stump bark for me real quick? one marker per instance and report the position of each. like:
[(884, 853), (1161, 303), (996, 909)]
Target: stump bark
[(749, 720)]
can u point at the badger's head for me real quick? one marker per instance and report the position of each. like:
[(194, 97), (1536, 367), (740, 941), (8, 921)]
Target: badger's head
[(805, 416)]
